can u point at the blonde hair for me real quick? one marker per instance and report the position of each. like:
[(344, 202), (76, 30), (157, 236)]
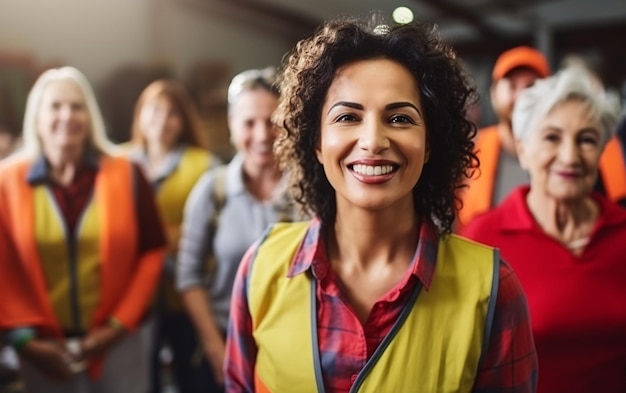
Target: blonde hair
[(97, 139)]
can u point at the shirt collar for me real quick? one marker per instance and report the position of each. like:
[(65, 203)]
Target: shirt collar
[(311, 254), (38, 172), (173, 160), (516, 215), (235, 182)]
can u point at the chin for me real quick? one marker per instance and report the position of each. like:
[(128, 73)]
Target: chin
[(569, 197)]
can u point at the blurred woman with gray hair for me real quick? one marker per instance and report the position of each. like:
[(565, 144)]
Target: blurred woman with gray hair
[(566, 242)]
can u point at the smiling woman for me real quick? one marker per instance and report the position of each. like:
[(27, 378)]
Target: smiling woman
[(81, 247), (374, 137), (561, 237)]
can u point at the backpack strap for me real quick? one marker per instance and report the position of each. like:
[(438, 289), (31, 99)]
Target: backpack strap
[(218, 197)]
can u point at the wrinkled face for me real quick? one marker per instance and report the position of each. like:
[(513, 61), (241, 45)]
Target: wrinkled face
[(373, 135), (62, 121), (251, 129), (161, 122), (504, 92), (562, 152)]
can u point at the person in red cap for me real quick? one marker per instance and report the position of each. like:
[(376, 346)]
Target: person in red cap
[(500, 172)]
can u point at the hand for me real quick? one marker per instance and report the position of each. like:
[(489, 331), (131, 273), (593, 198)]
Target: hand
[(49, 357), (214, 351), (99, 340)]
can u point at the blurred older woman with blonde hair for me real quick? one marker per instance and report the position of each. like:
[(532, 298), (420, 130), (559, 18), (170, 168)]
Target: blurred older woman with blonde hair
[(566, 242), (81, 246)]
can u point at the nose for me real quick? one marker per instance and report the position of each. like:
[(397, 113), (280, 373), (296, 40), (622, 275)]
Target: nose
[(569, 152), (264, 130), (373, 137), (65, 112)]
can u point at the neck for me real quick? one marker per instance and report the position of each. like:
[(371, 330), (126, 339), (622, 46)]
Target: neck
[(261, 181), (566, 221), (157, 152), (64, 164), (506, 138), (368, 240)]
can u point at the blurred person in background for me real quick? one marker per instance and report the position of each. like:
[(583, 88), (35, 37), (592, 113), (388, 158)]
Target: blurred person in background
[(169, 142), (374, 294), (612, 179), (499, 172), (566, 242), (228, 210), (81, 247), (8, 141)]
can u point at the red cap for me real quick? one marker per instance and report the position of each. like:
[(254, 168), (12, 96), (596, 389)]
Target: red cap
[(521, 56)]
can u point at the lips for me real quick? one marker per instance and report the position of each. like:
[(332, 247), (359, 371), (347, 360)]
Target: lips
[(568, 174)]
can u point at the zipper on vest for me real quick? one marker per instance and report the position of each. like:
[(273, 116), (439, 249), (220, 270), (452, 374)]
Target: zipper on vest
[(71, 246), (72, 266), (406, 310)]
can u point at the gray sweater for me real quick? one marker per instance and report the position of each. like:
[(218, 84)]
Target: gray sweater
[(242, 220)]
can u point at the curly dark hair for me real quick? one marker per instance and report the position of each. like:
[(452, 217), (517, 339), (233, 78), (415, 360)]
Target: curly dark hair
[(306, 74)]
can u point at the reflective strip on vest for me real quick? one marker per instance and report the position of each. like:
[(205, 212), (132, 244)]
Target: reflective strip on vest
[(444, 326), (71, 267)]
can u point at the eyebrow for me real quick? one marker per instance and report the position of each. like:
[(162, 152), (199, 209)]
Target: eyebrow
[(393, 105)]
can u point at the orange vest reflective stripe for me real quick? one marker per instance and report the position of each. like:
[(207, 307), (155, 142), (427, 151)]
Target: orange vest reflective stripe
[(70, 262)]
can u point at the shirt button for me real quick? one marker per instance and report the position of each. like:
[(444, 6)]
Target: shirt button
[(353, 378)]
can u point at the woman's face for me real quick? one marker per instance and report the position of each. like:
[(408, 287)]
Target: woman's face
[(373, 134), (251, 129), (62, 120), (161, 122), (562, 152)]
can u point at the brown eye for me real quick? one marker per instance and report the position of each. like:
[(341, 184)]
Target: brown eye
[(401, 119)]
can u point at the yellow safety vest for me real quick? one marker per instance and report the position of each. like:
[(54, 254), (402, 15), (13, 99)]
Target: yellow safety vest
[(435, 346), (170, 199)]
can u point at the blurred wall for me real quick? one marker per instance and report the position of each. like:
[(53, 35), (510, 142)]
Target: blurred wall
[(97, 36), (122, 45)]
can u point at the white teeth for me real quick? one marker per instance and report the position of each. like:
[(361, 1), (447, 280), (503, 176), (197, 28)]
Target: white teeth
[(370, 170)]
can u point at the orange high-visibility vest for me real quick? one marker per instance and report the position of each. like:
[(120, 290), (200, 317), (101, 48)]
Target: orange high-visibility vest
[(127, 280)]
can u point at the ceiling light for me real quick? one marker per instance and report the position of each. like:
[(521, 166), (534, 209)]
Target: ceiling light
[(402, 15)]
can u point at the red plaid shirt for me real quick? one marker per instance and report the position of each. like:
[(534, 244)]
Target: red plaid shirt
[(345, 345)]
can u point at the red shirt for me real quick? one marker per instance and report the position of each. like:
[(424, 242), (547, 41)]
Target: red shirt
[(577, 303), (345, 344)]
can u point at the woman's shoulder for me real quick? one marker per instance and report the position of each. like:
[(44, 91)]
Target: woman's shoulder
[(15, 164), (611, 213)]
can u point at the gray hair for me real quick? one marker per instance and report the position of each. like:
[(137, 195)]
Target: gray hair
[(250, 80), (573, 83), (97, 132)]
